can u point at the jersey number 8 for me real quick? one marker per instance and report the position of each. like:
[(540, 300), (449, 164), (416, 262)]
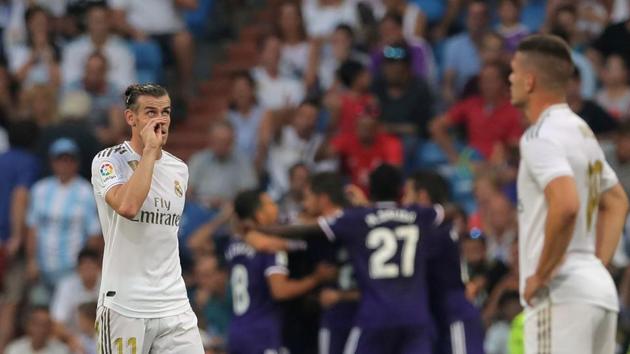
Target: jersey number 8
[(385, 242), (240, 296)]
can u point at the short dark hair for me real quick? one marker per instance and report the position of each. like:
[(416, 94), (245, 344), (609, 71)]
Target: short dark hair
[(551, 57), (435, 185), (245, 75), (385, 183), (393, 16), (296, 167), (135, 91), (32, 11), (23, 134), (349, 71), (247, 203), (346, 29), (88, 254), (98, 54), (329, 184)]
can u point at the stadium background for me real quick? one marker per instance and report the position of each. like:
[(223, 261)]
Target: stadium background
[(267, 92)]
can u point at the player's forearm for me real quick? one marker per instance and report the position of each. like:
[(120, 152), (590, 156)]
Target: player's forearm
[(130, 197), (559, 229), (19, 205), (293, 288), (613, 209), (349, 295)]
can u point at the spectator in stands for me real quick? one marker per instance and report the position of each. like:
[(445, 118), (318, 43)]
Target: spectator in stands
[(285, 143), (212, 180), (497, 335), (492, 50), (364, 150), (62, 217), (295, 53), (121, 70), (105, 111), (597, 118), (74, 290), (275, 90), (8, 108), (38, 338), (355, 100), (478, 272), (592, 19), (19, 169), (509, 26), (507, 284), (405, 99), (245, 114), (421, 56), (39, 103), (619, 156), (210, 298), (87, 318), (614, 96), (499, 225), (614, 40), (414, 20), (162, 22), (490, 119), (339, 48), (321, 17), (37, 60), (290, 205), (461, 55)]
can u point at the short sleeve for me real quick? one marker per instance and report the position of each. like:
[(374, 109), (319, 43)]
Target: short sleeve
[(332, 225), (609, 177), (107, 172), (545, 160), (276, 264)]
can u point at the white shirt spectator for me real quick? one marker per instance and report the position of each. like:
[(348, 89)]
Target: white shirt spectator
[(278, 92), (69, 294), (294, 59), (23, 346), (15, 32), (122, 63), (158, 17), (321, 21), (20, 54)]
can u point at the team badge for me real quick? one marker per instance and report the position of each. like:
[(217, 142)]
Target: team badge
[(133, 164), (178, 189)]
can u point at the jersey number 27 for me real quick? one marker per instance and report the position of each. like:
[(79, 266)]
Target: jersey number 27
[(385, 243)]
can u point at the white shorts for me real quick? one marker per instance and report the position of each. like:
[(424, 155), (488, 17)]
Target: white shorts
[(120, 334), (569, 328)]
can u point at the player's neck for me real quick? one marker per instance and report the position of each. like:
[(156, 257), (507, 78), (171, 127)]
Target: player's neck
[(538, 104), (138, 147), (331, 210)]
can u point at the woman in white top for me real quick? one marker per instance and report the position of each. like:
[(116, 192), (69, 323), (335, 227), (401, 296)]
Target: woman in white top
[(294, 57)]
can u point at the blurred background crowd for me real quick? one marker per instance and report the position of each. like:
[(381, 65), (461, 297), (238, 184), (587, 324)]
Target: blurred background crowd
[(267, 93)]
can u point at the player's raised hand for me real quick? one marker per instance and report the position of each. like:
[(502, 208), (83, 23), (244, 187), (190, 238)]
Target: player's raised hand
[(356, 196), (153, 132)]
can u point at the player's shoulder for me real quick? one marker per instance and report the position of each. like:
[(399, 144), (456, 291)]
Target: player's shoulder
[(173, 159), (117, 152)]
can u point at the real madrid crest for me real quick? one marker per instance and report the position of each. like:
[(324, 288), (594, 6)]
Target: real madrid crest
[(178, 189)]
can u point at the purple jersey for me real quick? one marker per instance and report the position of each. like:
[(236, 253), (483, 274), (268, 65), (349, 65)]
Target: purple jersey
[(341, 315), (385, 244), (256, 315)]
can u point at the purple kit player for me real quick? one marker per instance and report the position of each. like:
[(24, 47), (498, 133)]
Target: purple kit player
[(259, 279), (459, 325), (386, 244), (324, 196)]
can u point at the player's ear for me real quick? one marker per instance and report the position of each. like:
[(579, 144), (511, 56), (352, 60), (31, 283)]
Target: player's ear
[(530, 82), (130, 117)]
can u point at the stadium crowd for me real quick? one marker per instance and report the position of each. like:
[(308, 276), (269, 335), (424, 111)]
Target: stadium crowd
[(340, 85)]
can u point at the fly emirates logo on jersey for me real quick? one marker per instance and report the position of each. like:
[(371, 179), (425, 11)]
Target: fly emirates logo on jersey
[(162, 215)]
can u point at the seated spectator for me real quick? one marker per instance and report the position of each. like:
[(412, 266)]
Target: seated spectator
[(105, 111), (212, 171), (321, 17), (405, 99), (121, 70), (349, 105), (363, 151), (421, 55), (461, 55), (593, 114), (275, 90), (74, 290), (162, 22), (339, 49), (497, 335), (614, 96), (62, 217), (290, 204), (295, 53), (414, 20), (499, 225), (86, 334), (509, 26), (245, 114), (614, 40), (285, 143), (592, 19), (38, 338), (479, 273), (490, 119), (39, 103), (619, 156), (509, 283), (37, 60), (492, 50), (210, 298)]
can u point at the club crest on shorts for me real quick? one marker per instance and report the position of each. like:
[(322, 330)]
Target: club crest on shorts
[(178, 189)]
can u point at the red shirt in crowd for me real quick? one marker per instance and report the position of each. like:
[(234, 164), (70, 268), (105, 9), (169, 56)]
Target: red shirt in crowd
[(359, 160), (487, 126), (352, 108)]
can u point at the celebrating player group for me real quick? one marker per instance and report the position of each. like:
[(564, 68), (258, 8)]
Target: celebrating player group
[(388, 272)]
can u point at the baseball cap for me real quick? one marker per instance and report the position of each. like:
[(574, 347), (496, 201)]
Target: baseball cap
[(63, 146)]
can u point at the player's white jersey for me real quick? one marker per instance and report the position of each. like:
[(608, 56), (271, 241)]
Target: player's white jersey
[(142, 276), (562, 144)]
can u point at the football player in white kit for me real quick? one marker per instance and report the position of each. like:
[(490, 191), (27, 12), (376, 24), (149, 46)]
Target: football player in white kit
[(571, 211), (140, 191)]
